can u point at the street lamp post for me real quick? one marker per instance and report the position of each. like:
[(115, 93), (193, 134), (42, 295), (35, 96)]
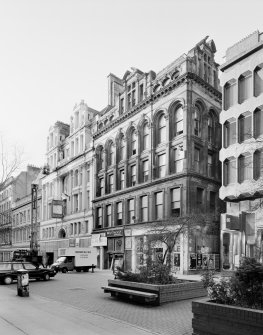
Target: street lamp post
[(33, 239)]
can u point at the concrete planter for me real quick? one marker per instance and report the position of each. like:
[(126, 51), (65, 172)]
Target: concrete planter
[(166, 293), (215, 319)]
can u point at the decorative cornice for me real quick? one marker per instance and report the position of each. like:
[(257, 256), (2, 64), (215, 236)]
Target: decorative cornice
[(158, 95)]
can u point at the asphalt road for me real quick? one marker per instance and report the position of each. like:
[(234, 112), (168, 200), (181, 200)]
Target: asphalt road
[(83, 291)]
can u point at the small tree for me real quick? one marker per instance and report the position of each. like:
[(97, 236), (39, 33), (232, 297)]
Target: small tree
[(168, 231)]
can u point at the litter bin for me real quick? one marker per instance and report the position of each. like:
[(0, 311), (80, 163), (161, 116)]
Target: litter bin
[(22, 283)]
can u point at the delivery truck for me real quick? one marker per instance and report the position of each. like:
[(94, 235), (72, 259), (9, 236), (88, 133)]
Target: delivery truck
[(78, 259)]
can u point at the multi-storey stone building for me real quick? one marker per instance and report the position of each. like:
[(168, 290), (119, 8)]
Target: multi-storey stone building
[(68, 184), (156, 155), (12, 192), (241, 155)]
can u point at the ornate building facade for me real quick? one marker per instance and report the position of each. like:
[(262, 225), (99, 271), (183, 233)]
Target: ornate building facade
[(67, 184), (156, 155), (241, 155)]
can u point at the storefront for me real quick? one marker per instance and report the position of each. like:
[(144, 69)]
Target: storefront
[(115, 250)]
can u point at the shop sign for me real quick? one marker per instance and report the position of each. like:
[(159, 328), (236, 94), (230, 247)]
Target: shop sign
[(98, 241), (57, 209), (112, 233)]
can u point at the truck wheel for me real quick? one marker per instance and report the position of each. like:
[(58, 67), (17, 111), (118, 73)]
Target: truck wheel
[(78, 270), (8, 280), (64, 270), (46, 276)]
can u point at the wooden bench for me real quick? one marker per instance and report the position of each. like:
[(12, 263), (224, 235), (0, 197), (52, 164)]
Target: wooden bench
[(119, 291)]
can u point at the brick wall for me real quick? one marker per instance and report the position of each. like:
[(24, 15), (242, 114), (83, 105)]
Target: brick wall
[(215, 319)]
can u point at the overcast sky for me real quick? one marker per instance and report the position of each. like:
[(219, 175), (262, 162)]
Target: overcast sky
[(56, 52)]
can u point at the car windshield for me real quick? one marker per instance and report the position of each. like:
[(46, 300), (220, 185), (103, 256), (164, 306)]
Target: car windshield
[(60, 259), (5, 266)]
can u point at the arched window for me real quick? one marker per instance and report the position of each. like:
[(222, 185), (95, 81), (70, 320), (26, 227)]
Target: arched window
[(230, 94), (133, 142), (100, 158), (197, 121), (111, 154), (121, 148), (178, 121), (161, 129), (145, 137), (61, 233), (210, 128)]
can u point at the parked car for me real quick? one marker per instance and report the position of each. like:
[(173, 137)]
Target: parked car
[(8, 271)]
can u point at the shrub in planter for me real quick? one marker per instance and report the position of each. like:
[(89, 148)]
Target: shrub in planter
[(153, 273), (243, 289)]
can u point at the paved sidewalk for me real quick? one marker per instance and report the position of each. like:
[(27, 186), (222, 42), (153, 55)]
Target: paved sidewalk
[(35, 315)]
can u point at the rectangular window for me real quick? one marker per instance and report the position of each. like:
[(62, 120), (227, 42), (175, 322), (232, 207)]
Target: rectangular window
[(161, 166), (99, 217), (119, 213), (210, 167), (159, 205), (76, 203), (245, 168), (141, 92), (197, 159), (144, 208), (145, 171), (230, 171), (88, 199), (108, 217), (244, 87), (212, 202), (258, 164), (88, 175), (122, 180), (129, 101), (230, 136), (245, 127), (258, 81), (133, 175), (131, 211), (122, 106), (229, 95), (178, 159), (101, 186), (176, 201), (199, 198), (111, 183)]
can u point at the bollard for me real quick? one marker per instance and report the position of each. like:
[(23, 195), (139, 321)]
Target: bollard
[(22, 283)]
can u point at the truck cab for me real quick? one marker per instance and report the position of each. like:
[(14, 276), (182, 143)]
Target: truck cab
[(64, 264)]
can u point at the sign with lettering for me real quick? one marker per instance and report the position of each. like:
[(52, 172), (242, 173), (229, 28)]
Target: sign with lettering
[(118, 232), (57, 209)]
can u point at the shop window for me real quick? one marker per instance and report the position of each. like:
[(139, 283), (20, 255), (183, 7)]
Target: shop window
[(229, 132), (244, 127), (244, 167), (176, 201), (258, 80), (230, 171), (244, 86)]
